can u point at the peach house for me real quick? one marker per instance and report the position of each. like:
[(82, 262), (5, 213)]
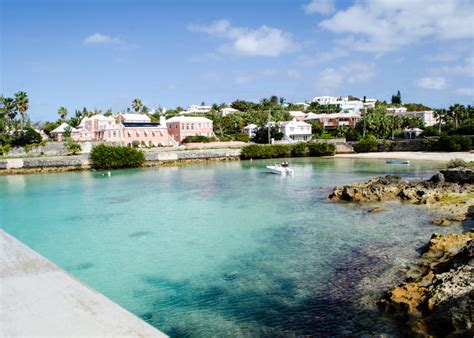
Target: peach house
[(149, 134), (179, 127), (98, 127), (128, 129), (333, 121)]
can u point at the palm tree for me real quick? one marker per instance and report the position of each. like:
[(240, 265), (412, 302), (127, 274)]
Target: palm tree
[(21, 103), (9, 107), (457, 112), (440, 115), (62, 113), (137, 105)]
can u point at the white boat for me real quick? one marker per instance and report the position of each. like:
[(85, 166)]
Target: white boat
[(280, 170), (397, 162)]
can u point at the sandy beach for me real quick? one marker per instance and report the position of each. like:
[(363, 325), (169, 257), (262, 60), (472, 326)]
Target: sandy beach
[(412, 155)]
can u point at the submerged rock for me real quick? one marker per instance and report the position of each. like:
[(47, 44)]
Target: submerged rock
[(441, 222), (376, 210)]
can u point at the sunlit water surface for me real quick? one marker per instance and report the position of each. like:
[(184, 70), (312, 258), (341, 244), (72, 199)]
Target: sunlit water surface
[(226, 249)]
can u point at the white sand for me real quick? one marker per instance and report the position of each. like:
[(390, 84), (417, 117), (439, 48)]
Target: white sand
[(37, 298), (412, 156)]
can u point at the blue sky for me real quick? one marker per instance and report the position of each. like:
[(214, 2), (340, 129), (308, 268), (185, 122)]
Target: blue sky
[(102, 54)]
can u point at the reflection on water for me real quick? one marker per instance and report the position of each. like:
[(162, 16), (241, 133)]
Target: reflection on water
[(226, 249)]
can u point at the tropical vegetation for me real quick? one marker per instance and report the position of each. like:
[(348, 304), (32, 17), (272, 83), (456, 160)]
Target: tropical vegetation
[(258, 151), (109, 157)]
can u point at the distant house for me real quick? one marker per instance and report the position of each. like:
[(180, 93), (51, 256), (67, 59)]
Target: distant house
[(411, 133), (427, 116), (295, 130), (302, 104), (179, 127), (298, 115), (58, 133), (333, 121), (97, 127), (135, 118), (228, 110), (251, 130), (127, 129), (195, 109)]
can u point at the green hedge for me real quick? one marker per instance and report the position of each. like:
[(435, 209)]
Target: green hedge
[(108, 157), (256, 151), (366, 144), (453, 143), (196, 139)]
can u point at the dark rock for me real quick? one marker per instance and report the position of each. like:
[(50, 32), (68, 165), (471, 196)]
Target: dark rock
[(459, 175)]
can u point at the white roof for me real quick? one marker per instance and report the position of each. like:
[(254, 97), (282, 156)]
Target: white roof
[(229, 110), (313, 116), (135, 117), (294, 122), (413, 129), (62, 128), (297, 113), (251, 126), (188, 119)]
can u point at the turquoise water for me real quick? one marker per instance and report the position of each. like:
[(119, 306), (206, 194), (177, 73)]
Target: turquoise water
[(226, 249)]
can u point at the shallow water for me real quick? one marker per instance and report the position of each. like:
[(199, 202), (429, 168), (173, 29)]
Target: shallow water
[(226, 249)]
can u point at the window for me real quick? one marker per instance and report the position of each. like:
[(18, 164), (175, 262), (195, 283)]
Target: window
[(187, 127), (182, 127), (192, 126), (146, 133), (199, 125), (153, 133), (138, 133)]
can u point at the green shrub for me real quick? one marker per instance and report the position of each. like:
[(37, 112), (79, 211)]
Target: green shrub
[(242, 137), (73, 148), (5, 149), (135, 143), (456, 162), (107, 157), (256, 151), (299, 150), (366, 144), (21, 138), (197, 139), (321, 149), (453, 143)]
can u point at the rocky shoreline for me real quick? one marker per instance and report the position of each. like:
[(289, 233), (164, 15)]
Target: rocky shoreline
[(437, 296)]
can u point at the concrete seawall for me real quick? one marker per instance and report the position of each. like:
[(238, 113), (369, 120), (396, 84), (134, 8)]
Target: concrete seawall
[(46, 164), (40, 299)]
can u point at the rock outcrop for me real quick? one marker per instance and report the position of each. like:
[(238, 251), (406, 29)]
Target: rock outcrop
[(438, 297), (393, 187)]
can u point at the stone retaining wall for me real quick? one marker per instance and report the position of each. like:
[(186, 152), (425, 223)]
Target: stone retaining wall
[(81, 162)]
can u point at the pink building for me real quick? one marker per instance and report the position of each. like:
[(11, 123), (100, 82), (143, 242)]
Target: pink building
[(179, 127), (149, 134), (128, 129)]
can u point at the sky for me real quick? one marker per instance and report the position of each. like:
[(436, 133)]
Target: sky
[(102, 54)]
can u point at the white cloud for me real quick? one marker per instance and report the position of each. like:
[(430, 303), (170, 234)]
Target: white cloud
[(384, 25), (263, 41), (464, 69), (101, 39), (319, 6), (246, 78), (330, 80), (465, 92), (434, 83)]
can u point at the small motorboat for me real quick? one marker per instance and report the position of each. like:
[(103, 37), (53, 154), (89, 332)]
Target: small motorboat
[(280, 169), (397, 162)]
